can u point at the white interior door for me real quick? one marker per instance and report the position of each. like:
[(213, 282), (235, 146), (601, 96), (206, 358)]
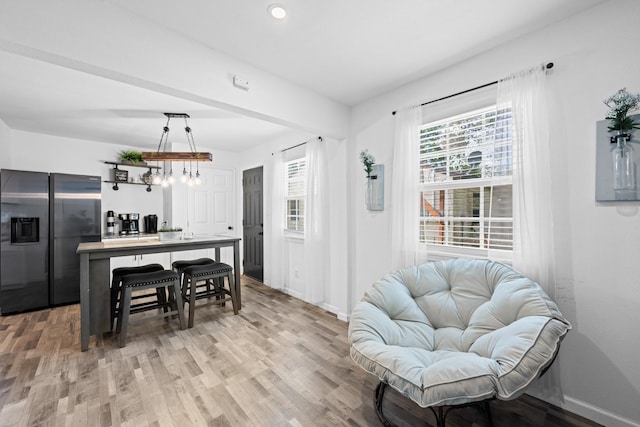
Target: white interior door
[(205, 209), (210, 205)]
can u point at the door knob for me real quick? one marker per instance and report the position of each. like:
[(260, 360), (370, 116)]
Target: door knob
[(230, 227)]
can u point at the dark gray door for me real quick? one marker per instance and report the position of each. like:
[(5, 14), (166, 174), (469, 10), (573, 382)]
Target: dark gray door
[(252, 223)]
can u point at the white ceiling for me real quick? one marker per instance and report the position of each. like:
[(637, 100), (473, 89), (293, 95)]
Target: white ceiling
[(346, 50), (40, 97), (351, 50)]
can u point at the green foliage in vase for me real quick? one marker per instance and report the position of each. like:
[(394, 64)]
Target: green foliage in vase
[(620, 104), (367, 161), (131, 156)]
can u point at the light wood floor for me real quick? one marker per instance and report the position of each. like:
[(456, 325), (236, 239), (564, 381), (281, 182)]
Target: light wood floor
[(278, 362)]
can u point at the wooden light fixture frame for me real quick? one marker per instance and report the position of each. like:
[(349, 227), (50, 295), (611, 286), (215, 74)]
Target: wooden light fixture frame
[(161, 155)]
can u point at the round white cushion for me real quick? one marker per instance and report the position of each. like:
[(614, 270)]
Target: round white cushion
[(456, 331)]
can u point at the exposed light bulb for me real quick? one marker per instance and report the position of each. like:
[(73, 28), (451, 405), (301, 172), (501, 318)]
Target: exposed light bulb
[(184, 176), (171, 178), (277, 11), (157, 179), (198, 180)]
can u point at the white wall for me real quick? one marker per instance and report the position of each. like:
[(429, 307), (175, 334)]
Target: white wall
[(598, 244), (5, 145)]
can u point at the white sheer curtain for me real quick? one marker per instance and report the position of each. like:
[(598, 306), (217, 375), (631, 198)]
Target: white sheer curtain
[(405, 198), (533, 247), (316, 223), (533, 251), (274, 231)]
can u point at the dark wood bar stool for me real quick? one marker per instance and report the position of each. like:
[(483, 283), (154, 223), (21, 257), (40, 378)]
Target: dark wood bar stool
[(167, 280), (158, 298), (179, 266), (207, 281)]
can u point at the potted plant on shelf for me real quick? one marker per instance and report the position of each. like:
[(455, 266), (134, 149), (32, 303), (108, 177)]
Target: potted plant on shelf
[(170, 233), (131, 157)]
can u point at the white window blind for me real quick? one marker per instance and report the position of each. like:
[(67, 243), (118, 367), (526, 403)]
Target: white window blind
[(295, 194), (466, 181)]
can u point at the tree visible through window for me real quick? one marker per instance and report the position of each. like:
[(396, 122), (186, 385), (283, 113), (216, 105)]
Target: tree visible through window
[(466, 179), (295, 194)]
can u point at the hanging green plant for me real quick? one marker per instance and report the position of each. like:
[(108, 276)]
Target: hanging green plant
[(131, 156)]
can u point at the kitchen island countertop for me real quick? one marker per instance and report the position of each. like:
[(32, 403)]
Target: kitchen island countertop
[(94, 272)]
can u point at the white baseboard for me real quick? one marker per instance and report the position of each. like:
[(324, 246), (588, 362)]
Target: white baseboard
[(293, 293), (335, 310), (596, 414), (328, 307)]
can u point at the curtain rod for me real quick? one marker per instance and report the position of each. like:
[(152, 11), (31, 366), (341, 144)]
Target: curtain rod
[(297, 145), (548, 66)]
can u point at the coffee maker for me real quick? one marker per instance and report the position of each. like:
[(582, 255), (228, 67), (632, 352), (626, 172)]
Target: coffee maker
[(151, 224), (130, 223)]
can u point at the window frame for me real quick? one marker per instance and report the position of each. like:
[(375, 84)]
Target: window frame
[(449, 185), (300, 198)]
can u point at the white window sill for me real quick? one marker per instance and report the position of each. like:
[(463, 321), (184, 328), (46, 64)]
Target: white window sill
[(294, 236), (438, 252)]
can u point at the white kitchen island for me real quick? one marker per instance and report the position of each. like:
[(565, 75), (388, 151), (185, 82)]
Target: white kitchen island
[(95, 315)]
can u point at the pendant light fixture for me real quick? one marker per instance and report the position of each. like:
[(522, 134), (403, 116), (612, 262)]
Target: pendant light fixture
[(162, 155)]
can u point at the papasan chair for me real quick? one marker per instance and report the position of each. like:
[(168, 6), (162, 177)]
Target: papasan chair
[(456, 332)]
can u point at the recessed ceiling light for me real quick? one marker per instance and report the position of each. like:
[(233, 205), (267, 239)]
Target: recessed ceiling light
[(277, 11)]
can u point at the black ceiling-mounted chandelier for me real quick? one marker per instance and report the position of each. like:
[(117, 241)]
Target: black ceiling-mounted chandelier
[(164, 156)]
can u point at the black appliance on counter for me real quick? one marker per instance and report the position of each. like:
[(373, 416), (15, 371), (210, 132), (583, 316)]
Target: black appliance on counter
[(151, 223), (43, 218), (130, 223)]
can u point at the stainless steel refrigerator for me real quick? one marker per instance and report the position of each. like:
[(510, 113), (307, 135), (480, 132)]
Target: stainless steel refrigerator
[(43, 218)]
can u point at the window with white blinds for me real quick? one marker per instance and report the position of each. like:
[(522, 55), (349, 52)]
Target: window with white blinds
[(466, 180), (295, 194)]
